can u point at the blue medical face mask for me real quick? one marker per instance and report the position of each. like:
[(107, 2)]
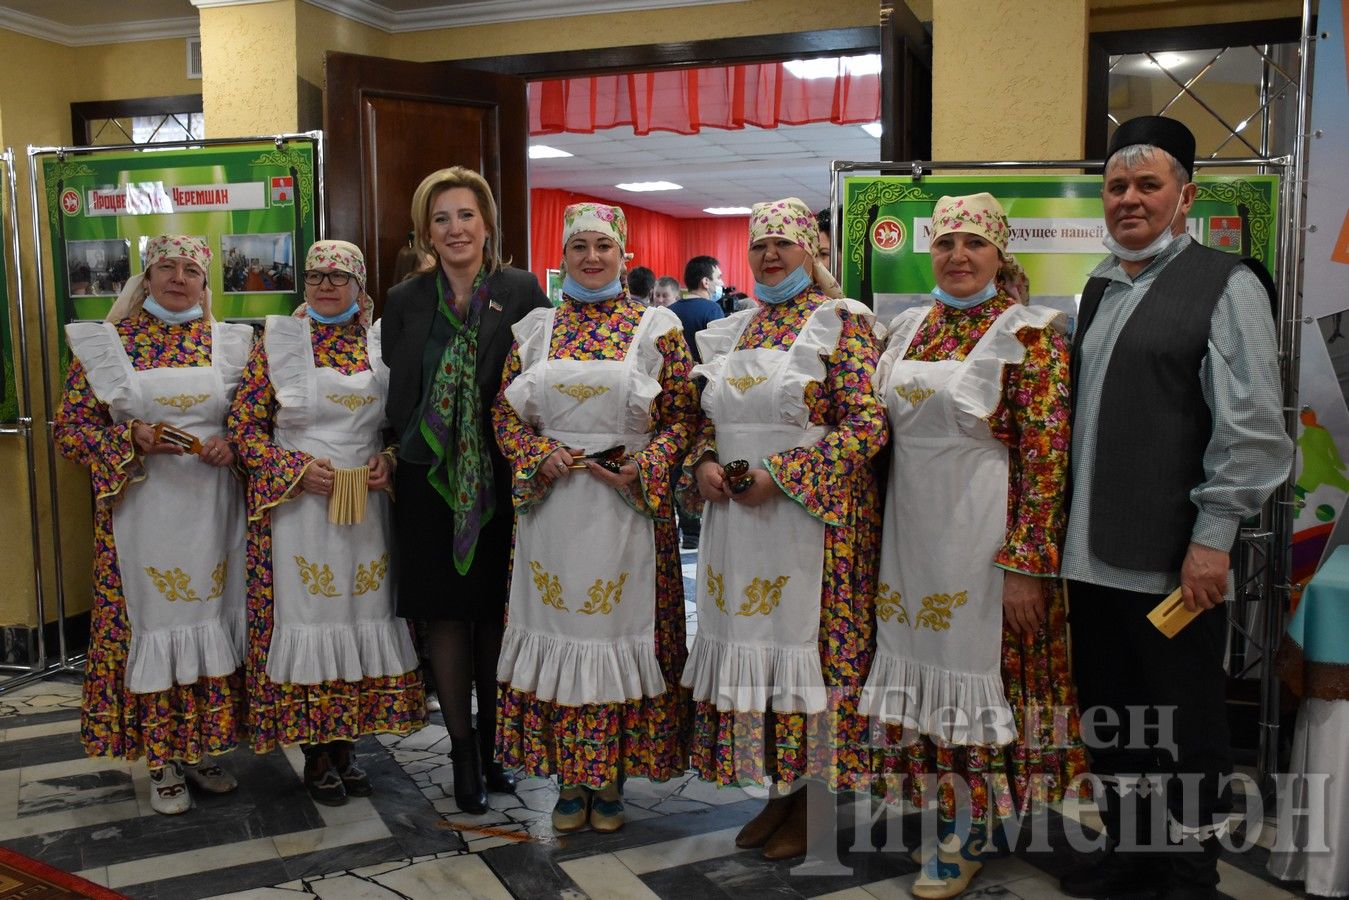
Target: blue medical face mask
[(343, 316), (573, 289), (715, 294), (785, 289), (1158, 244), (988, 292), (168, 316)]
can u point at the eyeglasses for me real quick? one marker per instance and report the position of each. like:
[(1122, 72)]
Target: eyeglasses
[(336, 279)]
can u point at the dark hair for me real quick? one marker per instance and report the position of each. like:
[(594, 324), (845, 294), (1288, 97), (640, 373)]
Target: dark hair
[(641, 281), (822, 219), (698, 268)]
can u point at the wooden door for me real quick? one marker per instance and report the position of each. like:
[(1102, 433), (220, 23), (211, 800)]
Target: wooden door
[(906, 85), (388, 123)]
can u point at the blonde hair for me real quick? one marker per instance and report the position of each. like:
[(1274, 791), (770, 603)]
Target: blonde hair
[(433, 186)]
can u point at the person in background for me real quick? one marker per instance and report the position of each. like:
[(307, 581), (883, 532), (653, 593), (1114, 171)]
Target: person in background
[(666, 293), (327, 659), (590, 685), (822, 220), (1178, 435), (641, 281), (447, 331), (696, 310), (167, 627)]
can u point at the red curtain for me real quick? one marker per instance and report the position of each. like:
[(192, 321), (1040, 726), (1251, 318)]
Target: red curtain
[(686, 100), (658, 241)]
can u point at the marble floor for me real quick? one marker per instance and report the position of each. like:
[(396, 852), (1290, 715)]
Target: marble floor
[(409, 840)]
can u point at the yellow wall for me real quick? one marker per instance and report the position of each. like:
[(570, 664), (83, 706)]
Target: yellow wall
[(127, 71), (994, 93), (248, 64), (639, 27)]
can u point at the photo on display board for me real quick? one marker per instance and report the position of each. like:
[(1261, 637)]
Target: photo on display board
[(257, 263), (97, 268)]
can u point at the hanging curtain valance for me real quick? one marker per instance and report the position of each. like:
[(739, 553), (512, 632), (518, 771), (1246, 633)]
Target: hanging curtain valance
[(686, 100)]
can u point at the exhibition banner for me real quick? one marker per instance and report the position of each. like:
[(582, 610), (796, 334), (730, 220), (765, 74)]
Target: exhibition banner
[(1057, 226), (254, 203)]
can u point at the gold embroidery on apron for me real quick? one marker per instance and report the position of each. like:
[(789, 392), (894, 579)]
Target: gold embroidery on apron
[(743, 383), (936, 611), (368, 580), (604, 595), (183, 401), (764, 596), (550, 589), (175, 584), (888, 603), (318, 577), (914, 395), (582, 392), (716, 588), (352, 402), (218, 576)]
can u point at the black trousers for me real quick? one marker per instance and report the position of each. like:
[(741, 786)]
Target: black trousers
[(1168, 696)]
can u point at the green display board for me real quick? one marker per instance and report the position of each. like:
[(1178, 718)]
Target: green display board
[(254, 203), (9, 399), (1057, 226)]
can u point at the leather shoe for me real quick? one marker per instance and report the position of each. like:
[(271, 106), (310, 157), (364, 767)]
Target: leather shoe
[(759, 829), (1115, 873), (470, 793), (789, 841), (497, 778)]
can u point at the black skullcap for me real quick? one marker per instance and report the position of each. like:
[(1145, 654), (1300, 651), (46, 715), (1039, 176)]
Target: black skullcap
[(1159, 131)]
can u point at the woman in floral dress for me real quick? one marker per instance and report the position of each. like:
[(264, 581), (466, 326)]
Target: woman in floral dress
[(971, 677), (166, 631), (786, 565), (594, 641), (327, 659)]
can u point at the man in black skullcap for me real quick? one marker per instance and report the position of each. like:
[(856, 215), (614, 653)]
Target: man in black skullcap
[(1178, 435)]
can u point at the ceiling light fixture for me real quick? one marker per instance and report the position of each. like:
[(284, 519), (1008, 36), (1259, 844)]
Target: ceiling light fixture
[(543, 151), (642, 186), (728, 210), (872, 128)]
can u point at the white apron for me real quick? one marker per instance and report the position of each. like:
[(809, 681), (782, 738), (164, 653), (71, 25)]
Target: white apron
[(582, 620), (937, 669), (179, 533), (760, 569), (332, 585)]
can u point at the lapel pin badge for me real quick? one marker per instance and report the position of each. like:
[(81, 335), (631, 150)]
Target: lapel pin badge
[(492, 304)]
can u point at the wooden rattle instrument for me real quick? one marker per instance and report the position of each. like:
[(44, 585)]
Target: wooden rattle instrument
[(346, 504)]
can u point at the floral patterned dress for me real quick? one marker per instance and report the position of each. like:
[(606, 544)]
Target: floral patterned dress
[(184, 722), (833, 481), (1032, 420), (595, 744), (284, 714)]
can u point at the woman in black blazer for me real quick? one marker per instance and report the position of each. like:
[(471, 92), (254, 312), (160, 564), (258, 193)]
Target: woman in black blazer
[(446, 335)]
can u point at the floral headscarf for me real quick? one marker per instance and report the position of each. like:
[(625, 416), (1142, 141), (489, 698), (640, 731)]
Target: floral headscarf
[(983, 215), (157, 249), (790, 218), (340, 256), (598, 217)]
